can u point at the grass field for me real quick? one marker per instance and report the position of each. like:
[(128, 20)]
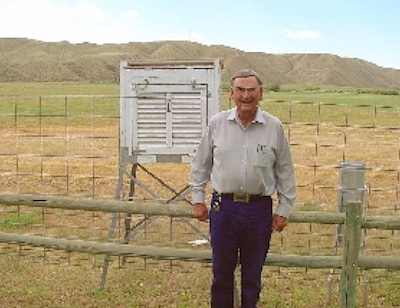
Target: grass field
[(70, 146)]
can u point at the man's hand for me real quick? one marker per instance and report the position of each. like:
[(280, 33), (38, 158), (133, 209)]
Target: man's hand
[(200, 211), (279, 223)]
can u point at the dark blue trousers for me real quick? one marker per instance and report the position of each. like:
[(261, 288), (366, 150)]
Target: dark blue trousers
[(239, 232)]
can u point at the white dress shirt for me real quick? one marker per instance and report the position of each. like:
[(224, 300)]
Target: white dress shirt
[(253, 160)]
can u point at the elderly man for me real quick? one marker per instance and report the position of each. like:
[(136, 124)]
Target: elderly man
[(246, 155)]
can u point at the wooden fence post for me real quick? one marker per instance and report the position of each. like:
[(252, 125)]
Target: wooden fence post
[(351, 247)]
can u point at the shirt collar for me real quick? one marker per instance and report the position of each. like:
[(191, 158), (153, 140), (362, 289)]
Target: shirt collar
[(258, 119)]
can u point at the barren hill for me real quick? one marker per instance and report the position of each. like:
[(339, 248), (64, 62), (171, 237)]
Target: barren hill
[(31, 60)]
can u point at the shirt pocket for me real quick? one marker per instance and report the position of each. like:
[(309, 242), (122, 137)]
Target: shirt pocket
[(265, 159)]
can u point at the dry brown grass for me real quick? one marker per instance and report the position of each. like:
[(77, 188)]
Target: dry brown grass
[(84, 163)]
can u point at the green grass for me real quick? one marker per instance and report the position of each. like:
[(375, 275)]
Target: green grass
[(17, 221), (57, 88), (337, 109), (328, 95), (331, 95), (58, 104), (336, 106)]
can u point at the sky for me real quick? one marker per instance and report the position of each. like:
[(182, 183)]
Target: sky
[(365, 29)]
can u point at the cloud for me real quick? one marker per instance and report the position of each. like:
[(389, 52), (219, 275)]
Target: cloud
[(50, 20), (302, 34), (89, 10), (129, 14)]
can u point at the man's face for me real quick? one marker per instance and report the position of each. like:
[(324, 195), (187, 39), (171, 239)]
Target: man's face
[(246, 92)]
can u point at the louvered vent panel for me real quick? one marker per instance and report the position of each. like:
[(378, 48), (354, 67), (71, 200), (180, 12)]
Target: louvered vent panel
[(186, 119), (151, 121)]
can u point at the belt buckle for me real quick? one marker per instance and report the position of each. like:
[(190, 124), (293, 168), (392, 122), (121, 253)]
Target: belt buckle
[(244, 198)]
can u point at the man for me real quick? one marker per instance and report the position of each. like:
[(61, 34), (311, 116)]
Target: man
[(246, 155)]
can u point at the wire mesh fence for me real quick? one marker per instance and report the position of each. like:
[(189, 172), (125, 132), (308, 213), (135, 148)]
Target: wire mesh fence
[(69, 146)]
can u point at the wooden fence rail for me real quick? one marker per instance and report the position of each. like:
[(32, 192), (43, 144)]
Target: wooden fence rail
[(174, 210), (353, 222), (203, 255)]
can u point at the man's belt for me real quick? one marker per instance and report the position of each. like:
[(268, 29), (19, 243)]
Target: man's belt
[(242, 197)]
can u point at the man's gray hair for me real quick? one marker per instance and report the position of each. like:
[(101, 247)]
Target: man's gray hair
[(246, 73)]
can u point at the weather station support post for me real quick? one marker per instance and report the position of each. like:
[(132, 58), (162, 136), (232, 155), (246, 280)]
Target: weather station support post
[(165, 107)]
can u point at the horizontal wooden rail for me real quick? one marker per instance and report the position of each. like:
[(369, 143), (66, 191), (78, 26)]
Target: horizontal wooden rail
[(200, 255), (99, 205), (177, 210)]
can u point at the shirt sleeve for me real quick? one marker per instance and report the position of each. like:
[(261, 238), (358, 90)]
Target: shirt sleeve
[(285, 177), (202, 166)]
